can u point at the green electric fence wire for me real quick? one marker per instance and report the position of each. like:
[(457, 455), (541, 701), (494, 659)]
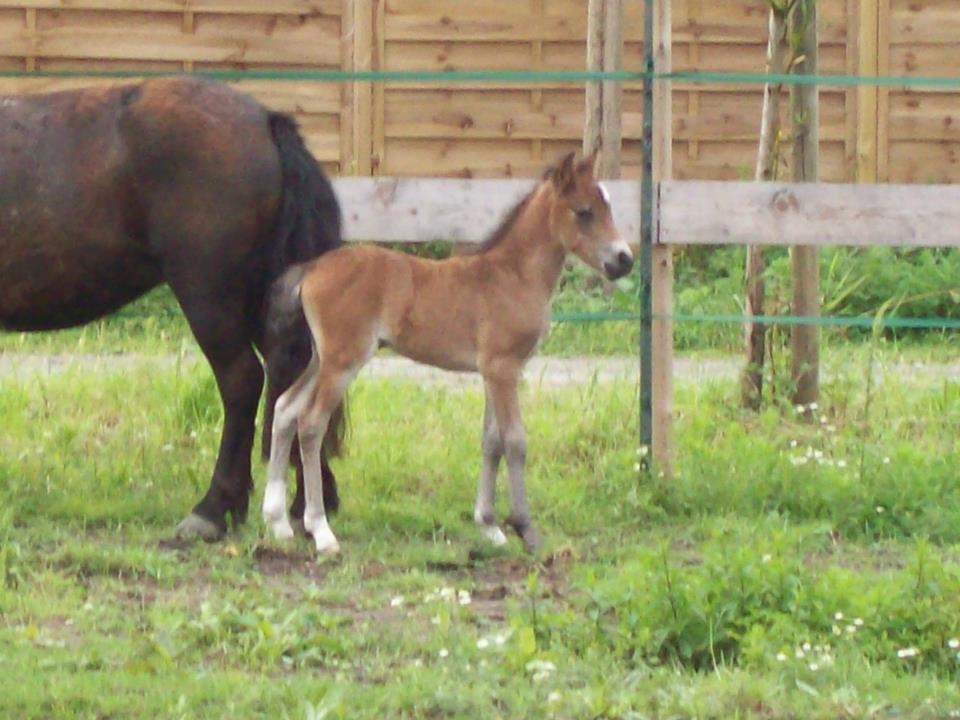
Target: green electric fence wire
[(820, 320), (511, 76)]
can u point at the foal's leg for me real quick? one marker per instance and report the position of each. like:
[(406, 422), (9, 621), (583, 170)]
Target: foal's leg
[(312, 425), (492, 451), (289, 406), (502, 380)]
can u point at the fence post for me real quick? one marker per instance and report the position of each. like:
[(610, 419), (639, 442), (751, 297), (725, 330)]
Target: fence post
[(611, 129), (662, 278), (593, 94), (804, 260)]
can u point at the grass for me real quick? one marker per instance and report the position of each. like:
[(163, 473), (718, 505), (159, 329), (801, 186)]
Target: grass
[(789, 569)]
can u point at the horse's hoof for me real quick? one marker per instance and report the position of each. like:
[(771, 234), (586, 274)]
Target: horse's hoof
[(281, 530), (532, 541), (493, 534), (194, 527), (325, 540), (527, 532)]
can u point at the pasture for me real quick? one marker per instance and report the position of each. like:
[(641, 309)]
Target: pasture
[(789, 570)]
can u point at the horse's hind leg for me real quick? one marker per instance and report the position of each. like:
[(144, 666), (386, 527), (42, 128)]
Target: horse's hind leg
[(331, 499), (215, 314), (288, 407)]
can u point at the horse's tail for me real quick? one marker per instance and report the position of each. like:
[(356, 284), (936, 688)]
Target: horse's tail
[(307, 225)]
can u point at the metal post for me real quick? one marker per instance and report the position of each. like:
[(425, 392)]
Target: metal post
[(646, 240)]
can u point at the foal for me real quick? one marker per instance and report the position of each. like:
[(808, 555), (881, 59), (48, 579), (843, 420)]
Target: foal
[(484, 312)]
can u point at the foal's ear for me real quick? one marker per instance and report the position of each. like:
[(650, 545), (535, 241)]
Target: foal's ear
[(563, 176), (589, 164)]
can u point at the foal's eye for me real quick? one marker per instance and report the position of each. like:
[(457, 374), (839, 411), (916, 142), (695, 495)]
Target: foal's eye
[(584, 215)]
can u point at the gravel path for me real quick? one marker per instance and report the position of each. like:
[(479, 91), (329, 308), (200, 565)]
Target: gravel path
[(544, 371)]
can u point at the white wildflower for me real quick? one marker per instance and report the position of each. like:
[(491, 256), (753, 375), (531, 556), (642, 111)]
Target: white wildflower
[(500, 639), (799, 460), (463, 597), (793, 443), (642, 451), (553, 697), (841, 463), (886, 461), (813, 407), (907, 652), (781, 657), (838, 615), (798, 654), (814, 667), (396, 601), (837, 630), (767, 557), (636, 467), (850, 629), (446, 593), (541, 669), (443, 652), (953, 643), (881, 510), (806, 647), (858, 622), (483, 644)]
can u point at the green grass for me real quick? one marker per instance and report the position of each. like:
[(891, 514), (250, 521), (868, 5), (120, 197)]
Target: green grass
[(713, 594)]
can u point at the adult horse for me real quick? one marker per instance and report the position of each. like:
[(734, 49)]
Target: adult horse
[(106, 193)]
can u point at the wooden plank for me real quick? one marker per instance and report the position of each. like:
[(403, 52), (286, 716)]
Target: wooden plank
[(126, 45), (362, 111), (867, 94), (308, 8), (733, 213), (378, 111), (429, 209)]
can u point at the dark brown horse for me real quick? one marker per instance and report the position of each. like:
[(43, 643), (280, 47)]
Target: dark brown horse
[(106, 193)]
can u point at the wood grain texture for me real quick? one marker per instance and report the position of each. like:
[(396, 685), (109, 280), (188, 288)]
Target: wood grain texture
[(392, 209), (726, 213)]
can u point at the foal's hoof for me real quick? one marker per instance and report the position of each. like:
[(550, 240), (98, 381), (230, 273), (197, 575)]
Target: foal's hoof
[(532, 541), (325, 540), (493, 534), (528, 533), (194, 527)]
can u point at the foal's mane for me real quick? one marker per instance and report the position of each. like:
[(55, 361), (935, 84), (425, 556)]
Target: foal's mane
[(503, 229)]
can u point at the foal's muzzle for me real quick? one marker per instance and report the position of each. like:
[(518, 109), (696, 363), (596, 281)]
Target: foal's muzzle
[(619, 263)]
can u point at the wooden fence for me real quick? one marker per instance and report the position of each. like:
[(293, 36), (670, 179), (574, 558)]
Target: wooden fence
[(494, 130)]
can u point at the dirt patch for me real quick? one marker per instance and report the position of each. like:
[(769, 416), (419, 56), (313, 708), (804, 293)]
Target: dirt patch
[(272, 562)]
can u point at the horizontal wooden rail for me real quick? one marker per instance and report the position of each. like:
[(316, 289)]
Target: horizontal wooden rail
[(427, 209), (730, 213), (690, 212)]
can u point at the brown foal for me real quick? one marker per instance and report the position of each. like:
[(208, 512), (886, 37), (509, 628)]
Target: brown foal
[(484, 312)]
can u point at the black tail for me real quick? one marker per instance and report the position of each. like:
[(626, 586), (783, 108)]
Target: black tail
[(307, 225)]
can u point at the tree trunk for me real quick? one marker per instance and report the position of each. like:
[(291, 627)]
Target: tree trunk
[(751, 380), (804, 106)]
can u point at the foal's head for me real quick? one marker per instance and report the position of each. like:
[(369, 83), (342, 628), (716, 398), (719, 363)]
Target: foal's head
[(582, 220)]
